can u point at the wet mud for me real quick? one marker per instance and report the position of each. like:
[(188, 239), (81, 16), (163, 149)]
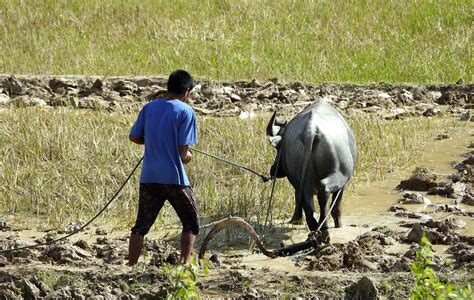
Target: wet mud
[(369, 257)]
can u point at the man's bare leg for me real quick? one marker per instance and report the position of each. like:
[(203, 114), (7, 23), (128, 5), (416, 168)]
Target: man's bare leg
[(134, 248), (187, 243)]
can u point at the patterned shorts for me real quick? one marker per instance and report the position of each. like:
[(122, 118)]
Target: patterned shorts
[(152, 198)]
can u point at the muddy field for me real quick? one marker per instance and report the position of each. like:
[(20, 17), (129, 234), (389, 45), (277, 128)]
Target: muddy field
[(370, 256)]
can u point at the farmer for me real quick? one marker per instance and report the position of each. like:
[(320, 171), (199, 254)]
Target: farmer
[(166, 127)]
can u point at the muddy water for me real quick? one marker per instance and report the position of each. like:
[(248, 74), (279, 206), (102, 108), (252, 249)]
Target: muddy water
[(369, 206)]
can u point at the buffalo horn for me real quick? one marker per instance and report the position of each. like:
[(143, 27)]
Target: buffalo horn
[(270, 125)]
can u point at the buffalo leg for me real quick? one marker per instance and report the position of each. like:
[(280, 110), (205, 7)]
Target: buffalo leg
[(308, 206), (336, 210), (323, 196), (298, 213), (274, 172)]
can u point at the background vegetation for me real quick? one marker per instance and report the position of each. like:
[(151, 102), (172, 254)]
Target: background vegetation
[(63, 165), (422, 41)]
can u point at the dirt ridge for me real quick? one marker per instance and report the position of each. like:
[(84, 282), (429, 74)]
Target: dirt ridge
[(220, 98)]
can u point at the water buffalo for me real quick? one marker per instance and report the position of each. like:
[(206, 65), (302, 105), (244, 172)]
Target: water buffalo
[(316, 150)]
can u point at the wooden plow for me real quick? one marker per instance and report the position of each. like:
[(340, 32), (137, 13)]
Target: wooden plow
[(314, 240)]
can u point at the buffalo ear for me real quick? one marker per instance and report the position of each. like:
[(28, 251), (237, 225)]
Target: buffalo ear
[(275, 140)]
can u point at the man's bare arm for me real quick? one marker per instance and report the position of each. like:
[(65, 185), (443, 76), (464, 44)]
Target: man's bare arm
[(137, 140), (184, 153)]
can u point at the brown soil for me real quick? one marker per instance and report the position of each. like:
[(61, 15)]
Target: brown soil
[(375, 262)]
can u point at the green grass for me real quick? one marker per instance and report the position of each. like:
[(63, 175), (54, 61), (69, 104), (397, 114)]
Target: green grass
[(421, 41), (63, 164)]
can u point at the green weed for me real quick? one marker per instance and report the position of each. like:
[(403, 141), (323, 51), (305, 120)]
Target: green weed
[(183, 281), (428, 284), (50, 279)]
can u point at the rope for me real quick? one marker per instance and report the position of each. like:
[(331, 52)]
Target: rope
[(83, 226), (264, 178), (271, 192), (330, 209), (271, 197)]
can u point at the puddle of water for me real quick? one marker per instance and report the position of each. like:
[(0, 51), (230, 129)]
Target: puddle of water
[(370, 206), (279, 263)]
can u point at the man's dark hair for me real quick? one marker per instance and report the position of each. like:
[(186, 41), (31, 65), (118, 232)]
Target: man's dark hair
[(180, 81)]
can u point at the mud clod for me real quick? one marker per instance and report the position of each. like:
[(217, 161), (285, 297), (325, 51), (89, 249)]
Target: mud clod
[(401, 265), (328, 259), (100, 231), (468, 199), (415, 198), (396, 208), (215, 259), (442, 136), (412, 215), (363, 289), (455, 190), (65, 254), (83, 245), (71, 227), (13, 86), (437, 232), (102, 240), (30, 291), (4, 225), (422, 179)]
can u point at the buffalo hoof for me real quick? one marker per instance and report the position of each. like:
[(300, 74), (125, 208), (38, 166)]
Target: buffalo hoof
[(319, 237), (325, 239)]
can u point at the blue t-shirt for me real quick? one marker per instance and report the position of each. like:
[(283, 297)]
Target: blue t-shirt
[(165, 124)]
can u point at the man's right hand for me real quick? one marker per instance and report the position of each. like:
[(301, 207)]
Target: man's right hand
[(184, 153), (187, 158)]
